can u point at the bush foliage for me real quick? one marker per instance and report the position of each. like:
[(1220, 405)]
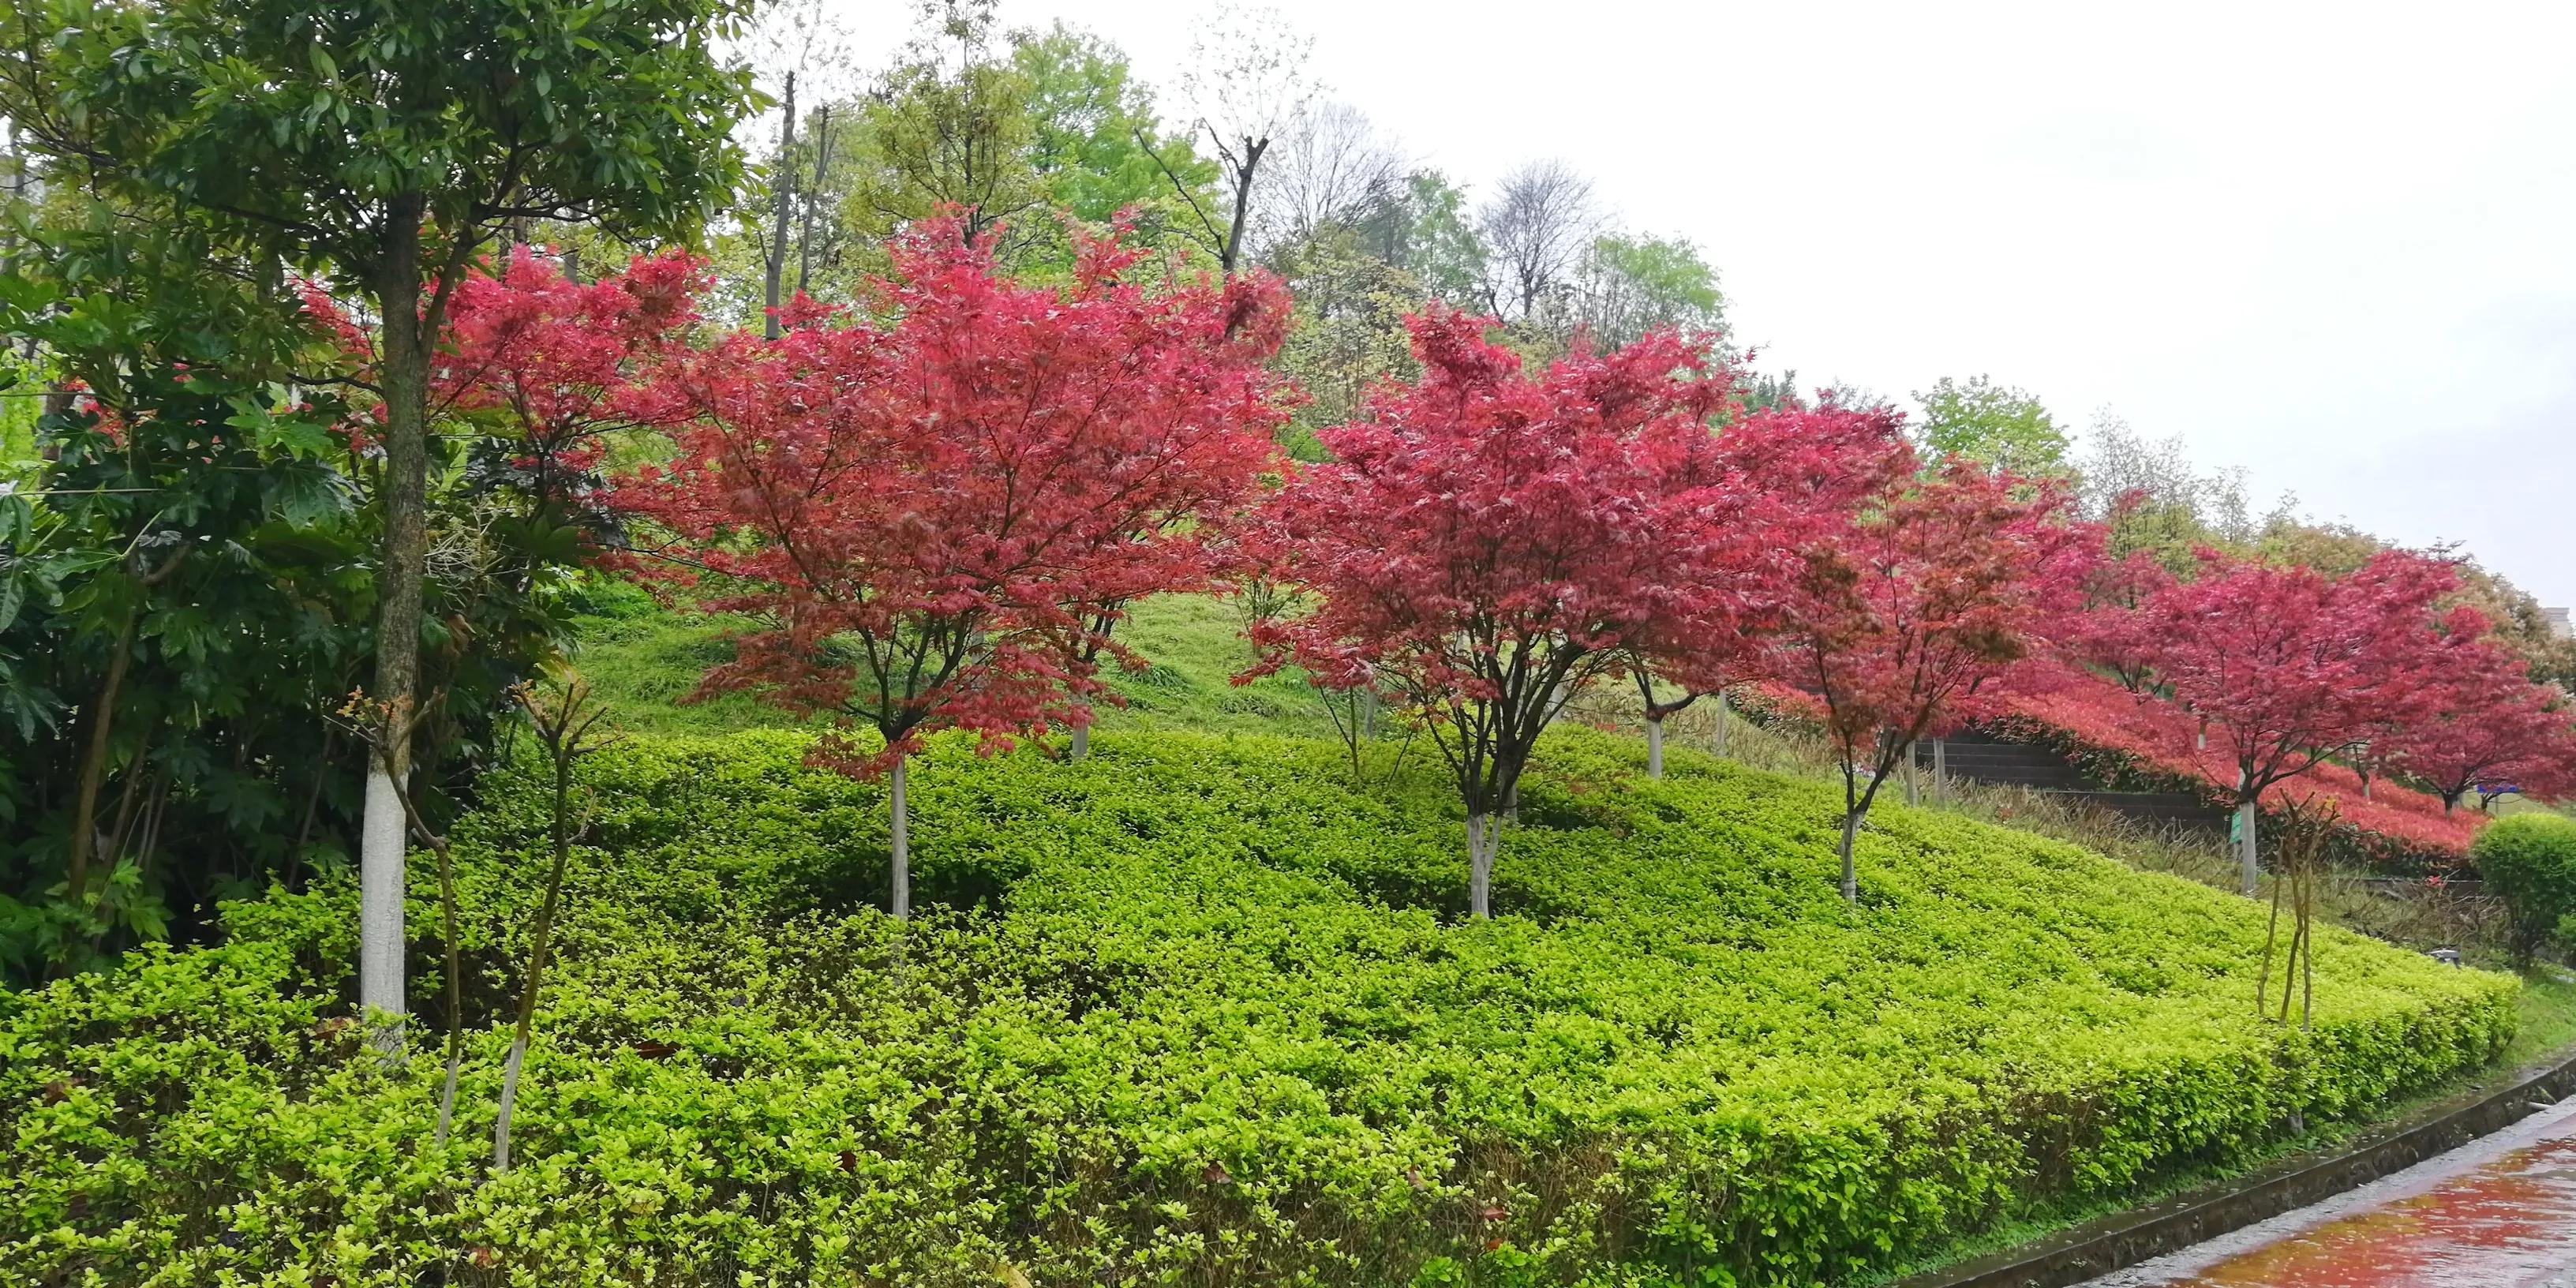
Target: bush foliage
[(2530, 861), (1194, 1010)]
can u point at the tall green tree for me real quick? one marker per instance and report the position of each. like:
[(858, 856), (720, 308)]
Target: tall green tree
[(385, 143), (948, 127), (1347, 334), (1098, 149), (2000, 425), (1627, 286), (1423, 226)]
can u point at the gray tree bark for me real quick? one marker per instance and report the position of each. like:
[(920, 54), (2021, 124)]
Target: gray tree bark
[(1654, 748), (822, 172), (786, 180)]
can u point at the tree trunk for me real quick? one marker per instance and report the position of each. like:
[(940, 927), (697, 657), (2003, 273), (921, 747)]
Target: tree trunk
[(1941, 770), (93, 773), (1654, 747), (786, 183), (455, 994), (902, 834), (2245, 847), (1725, 713), (1483, 833), (1252, 150), (2263, 978), (1081, 740), (2307, 964), (537, 948), (399, 576), (1913, 780), (1851, 876), (822, 164), (509, 1101)]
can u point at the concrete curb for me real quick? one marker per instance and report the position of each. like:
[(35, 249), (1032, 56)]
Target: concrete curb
[(2123, 1239)]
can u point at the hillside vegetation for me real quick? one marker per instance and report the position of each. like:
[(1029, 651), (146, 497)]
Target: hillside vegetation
[(1199, 1009)]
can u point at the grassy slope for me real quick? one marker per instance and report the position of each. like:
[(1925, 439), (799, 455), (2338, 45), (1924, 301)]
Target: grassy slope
[(1201, 1008), (1195, 646), (644, 663)]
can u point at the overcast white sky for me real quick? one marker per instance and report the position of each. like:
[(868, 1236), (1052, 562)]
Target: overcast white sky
[(2332, 244)]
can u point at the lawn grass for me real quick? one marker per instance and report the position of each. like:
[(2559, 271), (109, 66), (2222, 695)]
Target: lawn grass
[(644, 661)]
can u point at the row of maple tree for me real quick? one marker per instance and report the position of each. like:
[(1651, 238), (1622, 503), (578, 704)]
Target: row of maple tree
[(933, 510)]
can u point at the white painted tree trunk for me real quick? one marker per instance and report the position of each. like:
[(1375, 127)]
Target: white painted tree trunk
[(1913, 781), (1654, 748), (1941, 770), (2245, 847), (1851, 875), (509, 1103), (1725, 712), (902, 831), (1081, 741), (1483, 831), (380, 900)]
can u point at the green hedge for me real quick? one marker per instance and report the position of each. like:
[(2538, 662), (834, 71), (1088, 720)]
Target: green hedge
[(1196, 1010), (2529, 860)]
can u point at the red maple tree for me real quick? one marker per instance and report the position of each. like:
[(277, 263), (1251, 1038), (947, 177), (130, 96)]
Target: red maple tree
[(555, 367), (1488, 542), (1794, 472), (2283, 668), (933, 510), (2113, 632), (1909, 620), (2484, 726)]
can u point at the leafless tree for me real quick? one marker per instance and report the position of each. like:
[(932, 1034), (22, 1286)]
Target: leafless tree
[(1537, 226), (1329, 168), (2119, 464), (1246, 85), (795, 44)]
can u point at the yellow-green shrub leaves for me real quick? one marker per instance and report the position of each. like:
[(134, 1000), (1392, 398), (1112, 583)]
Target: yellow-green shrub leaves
[(1196, 1012)]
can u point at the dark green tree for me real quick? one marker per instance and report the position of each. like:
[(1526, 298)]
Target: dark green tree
[(183, 583), (1423, 226), (384, 143)]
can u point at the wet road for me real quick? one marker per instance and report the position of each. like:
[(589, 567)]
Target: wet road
[(2495, 1213)]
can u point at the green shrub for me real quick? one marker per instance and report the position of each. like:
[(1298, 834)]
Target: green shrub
[(1196, 1011), (2529, 860)]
